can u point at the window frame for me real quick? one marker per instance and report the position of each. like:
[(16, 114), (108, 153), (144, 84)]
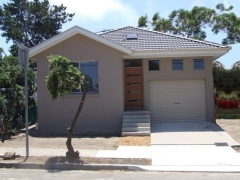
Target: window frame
[(154, 69), (79, 68), (182, 64), (197, 59)]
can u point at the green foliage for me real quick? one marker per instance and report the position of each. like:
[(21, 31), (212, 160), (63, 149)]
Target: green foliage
[(12, 77), (63, 77), (227, 22), (236, 74), (228, 114), (232, 96), (182, 22), (192, 23), (161, 24), (3, 102), (226, 79), (142, 21), (31, 22)]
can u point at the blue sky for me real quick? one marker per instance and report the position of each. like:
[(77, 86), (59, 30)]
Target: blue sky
[(97, 15)]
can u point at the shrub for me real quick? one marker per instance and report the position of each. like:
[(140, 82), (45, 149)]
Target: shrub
[(227, 114), (227, 104)]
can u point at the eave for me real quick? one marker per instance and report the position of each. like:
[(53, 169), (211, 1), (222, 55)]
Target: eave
[(213, 52)]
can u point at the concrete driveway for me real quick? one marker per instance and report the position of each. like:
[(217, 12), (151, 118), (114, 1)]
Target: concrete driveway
[(192, 143), (189, 133)]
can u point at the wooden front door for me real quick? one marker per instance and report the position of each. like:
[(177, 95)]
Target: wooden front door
[(133, 87)]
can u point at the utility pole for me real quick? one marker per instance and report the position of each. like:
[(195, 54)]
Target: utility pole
[(23, 63)]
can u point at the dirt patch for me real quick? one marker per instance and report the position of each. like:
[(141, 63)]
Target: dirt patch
[(135, 141), (82, 160), (94, 143), (231, 126)]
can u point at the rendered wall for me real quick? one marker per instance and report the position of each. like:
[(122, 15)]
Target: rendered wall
[(102, 113), (188, 72)]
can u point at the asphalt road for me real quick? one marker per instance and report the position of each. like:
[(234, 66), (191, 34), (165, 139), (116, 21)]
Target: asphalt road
[(20, 174)]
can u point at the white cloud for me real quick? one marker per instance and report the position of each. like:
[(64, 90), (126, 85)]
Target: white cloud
[(92, 10)]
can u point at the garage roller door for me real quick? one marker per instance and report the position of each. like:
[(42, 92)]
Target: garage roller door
[(177, 100)]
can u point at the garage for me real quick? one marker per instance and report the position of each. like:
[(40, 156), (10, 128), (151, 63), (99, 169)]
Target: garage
[(177, 100)]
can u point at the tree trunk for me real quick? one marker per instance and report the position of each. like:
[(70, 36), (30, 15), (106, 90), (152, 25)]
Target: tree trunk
[(71, 153)]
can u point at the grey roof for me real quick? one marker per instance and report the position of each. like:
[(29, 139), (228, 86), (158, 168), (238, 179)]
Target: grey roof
[(154, 40)]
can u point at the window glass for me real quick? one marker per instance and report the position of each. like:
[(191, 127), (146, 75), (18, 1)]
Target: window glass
[(153, 65), (177, 64), (198, 64), (90, 71), (133, 63)]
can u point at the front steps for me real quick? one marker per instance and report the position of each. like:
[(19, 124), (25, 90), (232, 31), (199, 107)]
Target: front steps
[(136, 123)]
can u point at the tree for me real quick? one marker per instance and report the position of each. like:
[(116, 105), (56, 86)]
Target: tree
[(142, 21), (218, 74), (228, 23), (236, 74), (31, 22), (182, 22), (13, 77), (226, 79), (12, 80), (161, 24), (192, 23), (62, 78)]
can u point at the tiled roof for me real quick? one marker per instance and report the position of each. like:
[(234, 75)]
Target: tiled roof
[(154, 40)]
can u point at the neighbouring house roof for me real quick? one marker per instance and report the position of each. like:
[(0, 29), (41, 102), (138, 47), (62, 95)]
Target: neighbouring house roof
[(154, 40)]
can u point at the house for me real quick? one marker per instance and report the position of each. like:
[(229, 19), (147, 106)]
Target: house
[(129, 69)]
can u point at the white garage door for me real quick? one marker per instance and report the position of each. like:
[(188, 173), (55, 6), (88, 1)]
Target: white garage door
[(177, 100)]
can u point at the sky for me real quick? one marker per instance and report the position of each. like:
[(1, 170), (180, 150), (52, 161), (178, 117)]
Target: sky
[(98, 15)]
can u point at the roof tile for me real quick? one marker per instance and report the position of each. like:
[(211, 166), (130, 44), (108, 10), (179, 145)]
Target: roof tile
[(154, 40)]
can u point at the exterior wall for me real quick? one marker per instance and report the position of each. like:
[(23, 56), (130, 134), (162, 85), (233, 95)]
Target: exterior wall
[(188, 72), (102, 113)]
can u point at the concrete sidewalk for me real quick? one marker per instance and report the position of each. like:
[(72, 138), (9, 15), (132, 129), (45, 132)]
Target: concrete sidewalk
[(171, 158)]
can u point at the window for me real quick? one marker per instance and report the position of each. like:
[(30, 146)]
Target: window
[(177, 64), (133, 63), (198, 64), (132, 36), (90, 71), (153, 65)]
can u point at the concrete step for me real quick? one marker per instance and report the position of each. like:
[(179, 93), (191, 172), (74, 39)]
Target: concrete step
[(133, 124), (136, 113), (143, 133), (136, 123), (136, 116), (135, 129), (139, 120)]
